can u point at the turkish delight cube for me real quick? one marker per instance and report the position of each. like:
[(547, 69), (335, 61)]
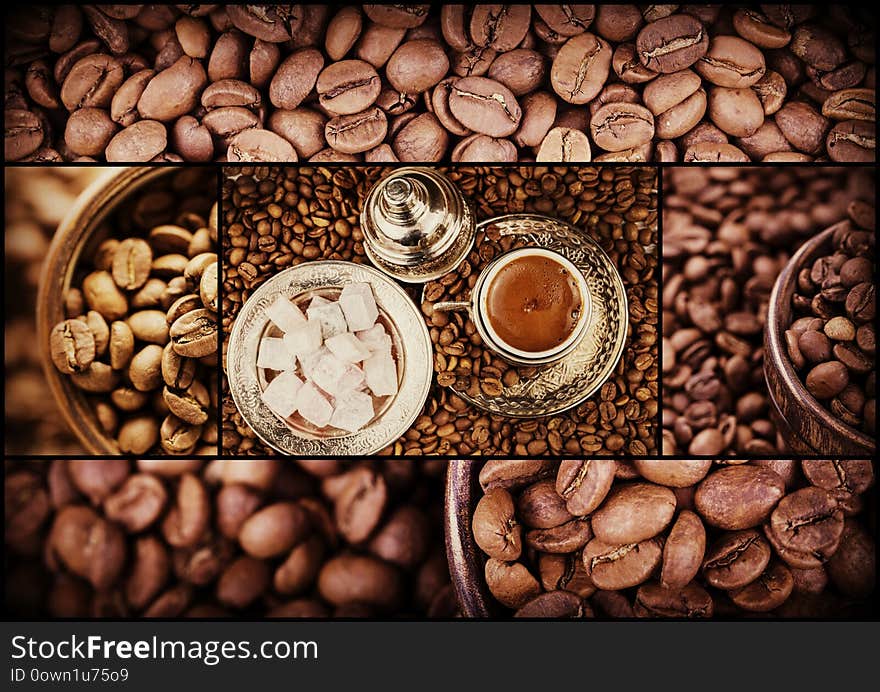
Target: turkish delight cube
[(275, 355), (359, 306), (281, 394), (348, 348), (380, 373), (329, 315), (304, 339), (375, 338), (285, 315), (328, 373), (313, 405), (352, 412)]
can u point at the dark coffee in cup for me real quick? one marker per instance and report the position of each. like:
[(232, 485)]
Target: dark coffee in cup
[(533, 303)]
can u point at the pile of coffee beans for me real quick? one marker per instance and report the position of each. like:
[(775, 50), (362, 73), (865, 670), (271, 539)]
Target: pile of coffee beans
[(36, 202), (263, 538), (701, 83), (681, 539), (831, 341), (141, 330), (276, 218), (727, 233)]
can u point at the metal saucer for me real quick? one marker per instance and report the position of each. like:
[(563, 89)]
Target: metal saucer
[(411, 345), (569, 382)]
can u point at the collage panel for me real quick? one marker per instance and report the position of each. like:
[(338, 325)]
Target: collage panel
[(176, 538), (117, 304), (769, 280), (503, 311), (439, 83), (259, 257)]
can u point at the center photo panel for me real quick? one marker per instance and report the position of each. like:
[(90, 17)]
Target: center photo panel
[(439, 310)]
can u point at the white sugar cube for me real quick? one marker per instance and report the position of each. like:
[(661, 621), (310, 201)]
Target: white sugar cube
[(352, 412), (351, 380), (313, 406), (359, 306), (375, 338), (329, 315), (348, 348), (275, 355), (328, 372), (281, 394), (285, 315), (309, 361), (381, 374), (304, 339)]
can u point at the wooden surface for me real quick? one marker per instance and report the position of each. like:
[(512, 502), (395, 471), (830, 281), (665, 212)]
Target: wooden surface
[(806, 425)]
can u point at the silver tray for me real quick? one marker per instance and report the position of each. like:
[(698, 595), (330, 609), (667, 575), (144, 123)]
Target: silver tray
[(411, 346), (569, 382)]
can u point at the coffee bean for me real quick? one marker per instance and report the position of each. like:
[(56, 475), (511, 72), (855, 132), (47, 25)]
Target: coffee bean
[(672, 43), (767, 592), (194, 334), (580, 68), (620, 126), (495, 528), (720, 501), (72, 346), (352, 134)]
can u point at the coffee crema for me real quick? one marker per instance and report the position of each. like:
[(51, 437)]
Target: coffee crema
[(533, 304)]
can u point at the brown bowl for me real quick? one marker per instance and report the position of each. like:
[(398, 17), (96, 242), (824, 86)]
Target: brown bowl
[(80, 233), (466, 560), (806, 425)]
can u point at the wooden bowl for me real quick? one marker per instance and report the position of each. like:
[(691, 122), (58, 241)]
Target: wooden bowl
[(466, 560), (80, 233), (805, 424)]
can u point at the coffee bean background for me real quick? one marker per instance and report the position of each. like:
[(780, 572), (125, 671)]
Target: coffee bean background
[(482, 83), (679, 539), (36, 201), (275, 218), (727, 233), (177, 538)]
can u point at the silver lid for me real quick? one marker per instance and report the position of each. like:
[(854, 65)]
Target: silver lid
[(416, 224)]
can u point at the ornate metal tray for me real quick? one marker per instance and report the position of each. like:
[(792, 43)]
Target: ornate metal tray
[(411, 347), (569, 382)]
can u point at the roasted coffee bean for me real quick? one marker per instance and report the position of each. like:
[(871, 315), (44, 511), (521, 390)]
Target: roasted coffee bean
[(580, 68), (738, 497), (672, 43), (72, 346), (495, 528), (736, 560), (691, 601)]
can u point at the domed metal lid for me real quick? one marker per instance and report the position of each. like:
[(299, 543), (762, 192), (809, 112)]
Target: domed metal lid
[(413, 216)]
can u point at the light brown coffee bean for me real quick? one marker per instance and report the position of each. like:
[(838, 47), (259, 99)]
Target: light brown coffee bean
[(580, 68)]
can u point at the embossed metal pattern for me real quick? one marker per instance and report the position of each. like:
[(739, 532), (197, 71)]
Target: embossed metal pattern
[(411, 341), (432, 268), (572, 380)]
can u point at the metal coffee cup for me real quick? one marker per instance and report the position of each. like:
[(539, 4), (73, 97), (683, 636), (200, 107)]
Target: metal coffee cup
[(477, 307)]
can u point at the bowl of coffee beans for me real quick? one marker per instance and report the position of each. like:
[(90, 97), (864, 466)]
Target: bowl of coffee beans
[(697, 538), (819, 340), (127, 313)]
